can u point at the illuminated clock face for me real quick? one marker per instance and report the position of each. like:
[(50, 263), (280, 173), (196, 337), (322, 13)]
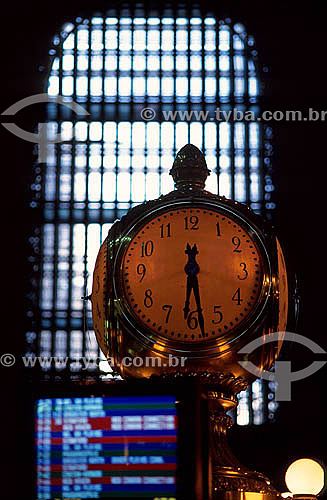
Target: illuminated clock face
[(192, 274)]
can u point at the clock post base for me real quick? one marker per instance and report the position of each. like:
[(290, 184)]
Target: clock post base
[(229, 479)]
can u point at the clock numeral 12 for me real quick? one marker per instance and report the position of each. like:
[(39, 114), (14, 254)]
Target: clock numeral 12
[(192, 222)]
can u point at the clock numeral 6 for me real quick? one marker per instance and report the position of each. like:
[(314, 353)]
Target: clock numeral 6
[(192, 321), (147, 248), (148, 301), (220, 315), (168, 308), (141, 270)]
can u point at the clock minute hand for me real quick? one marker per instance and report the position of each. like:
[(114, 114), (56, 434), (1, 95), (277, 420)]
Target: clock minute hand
[(198, 304), (188, 293)]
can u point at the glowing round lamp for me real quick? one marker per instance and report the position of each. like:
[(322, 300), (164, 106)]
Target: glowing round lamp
[(305, 478)]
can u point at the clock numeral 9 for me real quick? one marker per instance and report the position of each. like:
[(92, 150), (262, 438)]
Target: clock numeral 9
[(192, 222), (168, 308), (148, 302), (220, 315), (246, 274), (236, 242), (141, 270)]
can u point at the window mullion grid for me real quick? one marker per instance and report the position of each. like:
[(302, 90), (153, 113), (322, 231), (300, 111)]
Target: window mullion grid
[(160, 96), (189, 71), (146, 149), (116, 116), (102, 152), (232, 104), (71, 209), (158, 105), (262, 172), (57, 220), (250, 405), (203, 79), (218, 76), (264, 386), (132, 104), (174, 72), (87, 174), (41, 259), (246, 124)]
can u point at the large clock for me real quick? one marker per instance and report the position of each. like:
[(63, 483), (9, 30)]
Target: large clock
[(190, 275)]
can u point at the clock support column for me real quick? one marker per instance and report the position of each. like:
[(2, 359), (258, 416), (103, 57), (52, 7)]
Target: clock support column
[(229, 479)]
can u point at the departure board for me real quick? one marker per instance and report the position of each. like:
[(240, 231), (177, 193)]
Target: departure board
[(106, 447)]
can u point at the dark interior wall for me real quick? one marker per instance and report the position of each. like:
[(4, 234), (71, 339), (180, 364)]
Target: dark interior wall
[(291, 40)]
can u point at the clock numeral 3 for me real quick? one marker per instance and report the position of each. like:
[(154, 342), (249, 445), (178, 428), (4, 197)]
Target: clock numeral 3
[(147, 248), (236, 242), (245, 272), (237, 297), (192, 222), (141, 270), (148, 302), (168, 308), (220, 315)]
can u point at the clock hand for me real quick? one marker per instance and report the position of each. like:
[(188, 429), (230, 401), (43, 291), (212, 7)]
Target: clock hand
[(188, 293), (198, 303), (192, 269)]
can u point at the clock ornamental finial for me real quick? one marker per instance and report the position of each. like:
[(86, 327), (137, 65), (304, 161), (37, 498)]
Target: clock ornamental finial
[(189, 169)]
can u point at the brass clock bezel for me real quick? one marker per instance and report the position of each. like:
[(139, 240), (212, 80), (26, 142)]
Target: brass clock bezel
[(202, 347)]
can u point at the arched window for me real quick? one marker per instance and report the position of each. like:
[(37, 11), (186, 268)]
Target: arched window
[(150, 84)]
